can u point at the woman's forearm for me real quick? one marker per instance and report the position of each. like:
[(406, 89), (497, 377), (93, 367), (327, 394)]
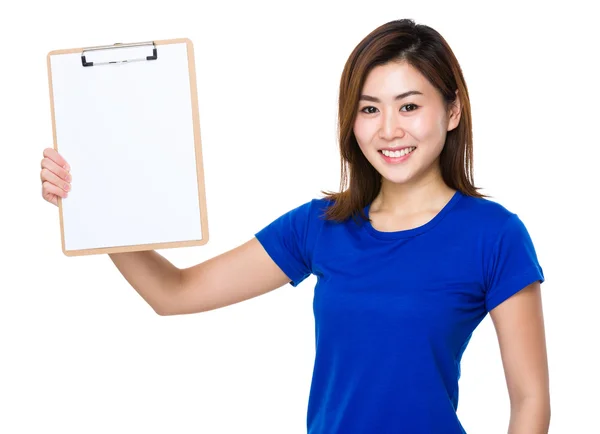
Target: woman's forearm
[(150, 274), (530, 416)]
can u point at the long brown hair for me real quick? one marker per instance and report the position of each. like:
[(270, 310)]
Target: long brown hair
[(426, 50)]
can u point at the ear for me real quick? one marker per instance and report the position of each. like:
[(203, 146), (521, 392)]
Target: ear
[(454, 113)]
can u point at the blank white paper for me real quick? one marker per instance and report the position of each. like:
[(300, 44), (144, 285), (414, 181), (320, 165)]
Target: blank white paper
[(127, 132)]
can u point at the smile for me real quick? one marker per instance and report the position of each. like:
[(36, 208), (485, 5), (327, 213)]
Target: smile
[(394, 157), (396, 154)]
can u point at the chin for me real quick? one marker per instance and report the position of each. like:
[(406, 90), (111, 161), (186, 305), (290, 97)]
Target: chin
[(396, 179), (400, 174), (394, 176)]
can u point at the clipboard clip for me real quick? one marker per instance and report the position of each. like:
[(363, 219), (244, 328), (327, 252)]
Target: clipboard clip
[(154, 55)]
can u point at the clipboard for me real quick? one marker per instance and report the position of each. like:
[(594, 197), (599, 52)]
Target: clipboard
[(125, 117)]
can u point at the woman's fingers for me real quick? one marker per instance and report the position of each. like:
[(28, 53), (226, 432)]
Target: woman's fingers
[(53, 155), (49, 176), (51, 192), (55, 176), (53, 173)]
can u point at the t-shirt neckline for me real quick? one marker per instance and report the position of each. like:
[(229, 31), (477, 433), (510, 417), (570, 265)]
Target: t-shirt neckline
[(414, 231)]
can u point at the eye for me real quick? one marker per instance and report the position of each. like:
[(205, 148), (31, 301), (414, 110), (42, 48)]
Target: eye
[(369, 109), (410, 105)]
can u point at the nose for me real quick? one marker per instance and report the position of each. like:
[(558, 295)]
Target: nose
[(390, 127)]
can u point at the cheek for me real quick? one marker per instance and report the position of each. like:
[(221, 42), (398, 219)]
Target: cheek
[(363, 131), (421, 128), (358, 133), (427, 128)]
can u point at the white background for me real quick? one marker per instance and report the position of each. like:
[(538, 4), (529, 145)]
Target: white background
[(81, 352)]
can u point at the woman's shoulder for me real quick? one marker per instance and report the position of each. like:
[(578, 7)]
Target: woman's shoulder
[(308, 214), (484, 211), (492, 224), (313, 207)]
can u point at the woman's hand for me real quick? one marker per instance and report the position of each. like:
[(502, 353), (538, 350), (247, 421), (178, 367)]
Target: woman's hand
[(55, 176)]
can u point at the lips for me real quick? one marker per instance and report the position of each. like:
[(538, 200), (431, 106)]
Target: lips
[(394, 149), (398, 152), (397, 156)]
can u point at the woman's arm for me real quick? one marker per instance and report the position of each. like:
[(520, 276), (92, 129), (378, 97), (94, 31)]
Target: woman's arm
[(519, 324), (239, 274), (242, 273)]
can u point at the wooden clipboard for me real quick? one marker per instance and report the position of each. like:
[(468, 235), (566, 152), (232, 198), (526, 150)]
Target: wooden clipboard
[(125, 117)]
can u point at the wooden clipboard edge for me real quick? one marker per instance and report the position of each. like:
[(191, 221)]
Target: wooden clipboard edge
[(135, 248), (197, 139), (54, 141), (198, 153)]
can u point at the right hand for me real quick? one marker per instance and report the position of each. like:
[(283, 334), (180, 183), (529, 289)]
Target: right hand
[(55, 176)]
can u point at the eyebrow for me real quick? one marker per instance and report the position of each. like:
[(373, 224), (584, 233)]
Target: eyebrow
[(401, 96)]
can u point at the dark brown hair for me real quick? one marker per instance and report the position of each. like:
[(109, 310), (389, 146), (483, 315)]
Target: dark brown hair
[(426, 50)]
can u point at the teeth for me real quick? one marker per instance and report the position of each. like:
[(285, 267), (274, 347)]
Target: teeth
[(396, 154)]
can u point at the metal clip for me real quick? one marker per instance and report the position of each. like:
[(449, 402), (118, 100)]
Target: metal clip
[(154, 55)]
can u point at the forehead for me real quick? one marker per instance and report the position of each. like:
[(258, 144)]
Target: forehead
[(395, 78)]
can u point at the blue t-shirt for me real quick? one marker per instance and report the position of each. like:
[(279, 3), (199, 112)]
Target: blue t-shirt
[(394, 311)]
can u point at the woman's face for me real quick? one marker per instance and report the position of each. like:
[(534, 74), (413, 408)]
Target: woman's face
[(401, 123)]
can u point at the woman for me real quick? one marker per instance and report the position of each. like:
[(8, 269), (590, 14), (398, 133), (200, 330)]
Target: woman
[(409, 257)]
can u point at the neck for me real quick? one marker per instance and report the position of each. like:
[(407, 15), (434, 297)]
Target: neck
[(412, 198)]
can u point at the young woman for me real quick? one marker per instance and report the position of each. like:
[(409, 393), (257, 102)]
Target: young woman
[(409, 257)]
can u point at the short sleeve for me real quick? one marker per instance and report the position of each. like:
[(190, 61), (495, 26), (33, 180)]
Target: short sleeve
[(513, 264), (286, 242)]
